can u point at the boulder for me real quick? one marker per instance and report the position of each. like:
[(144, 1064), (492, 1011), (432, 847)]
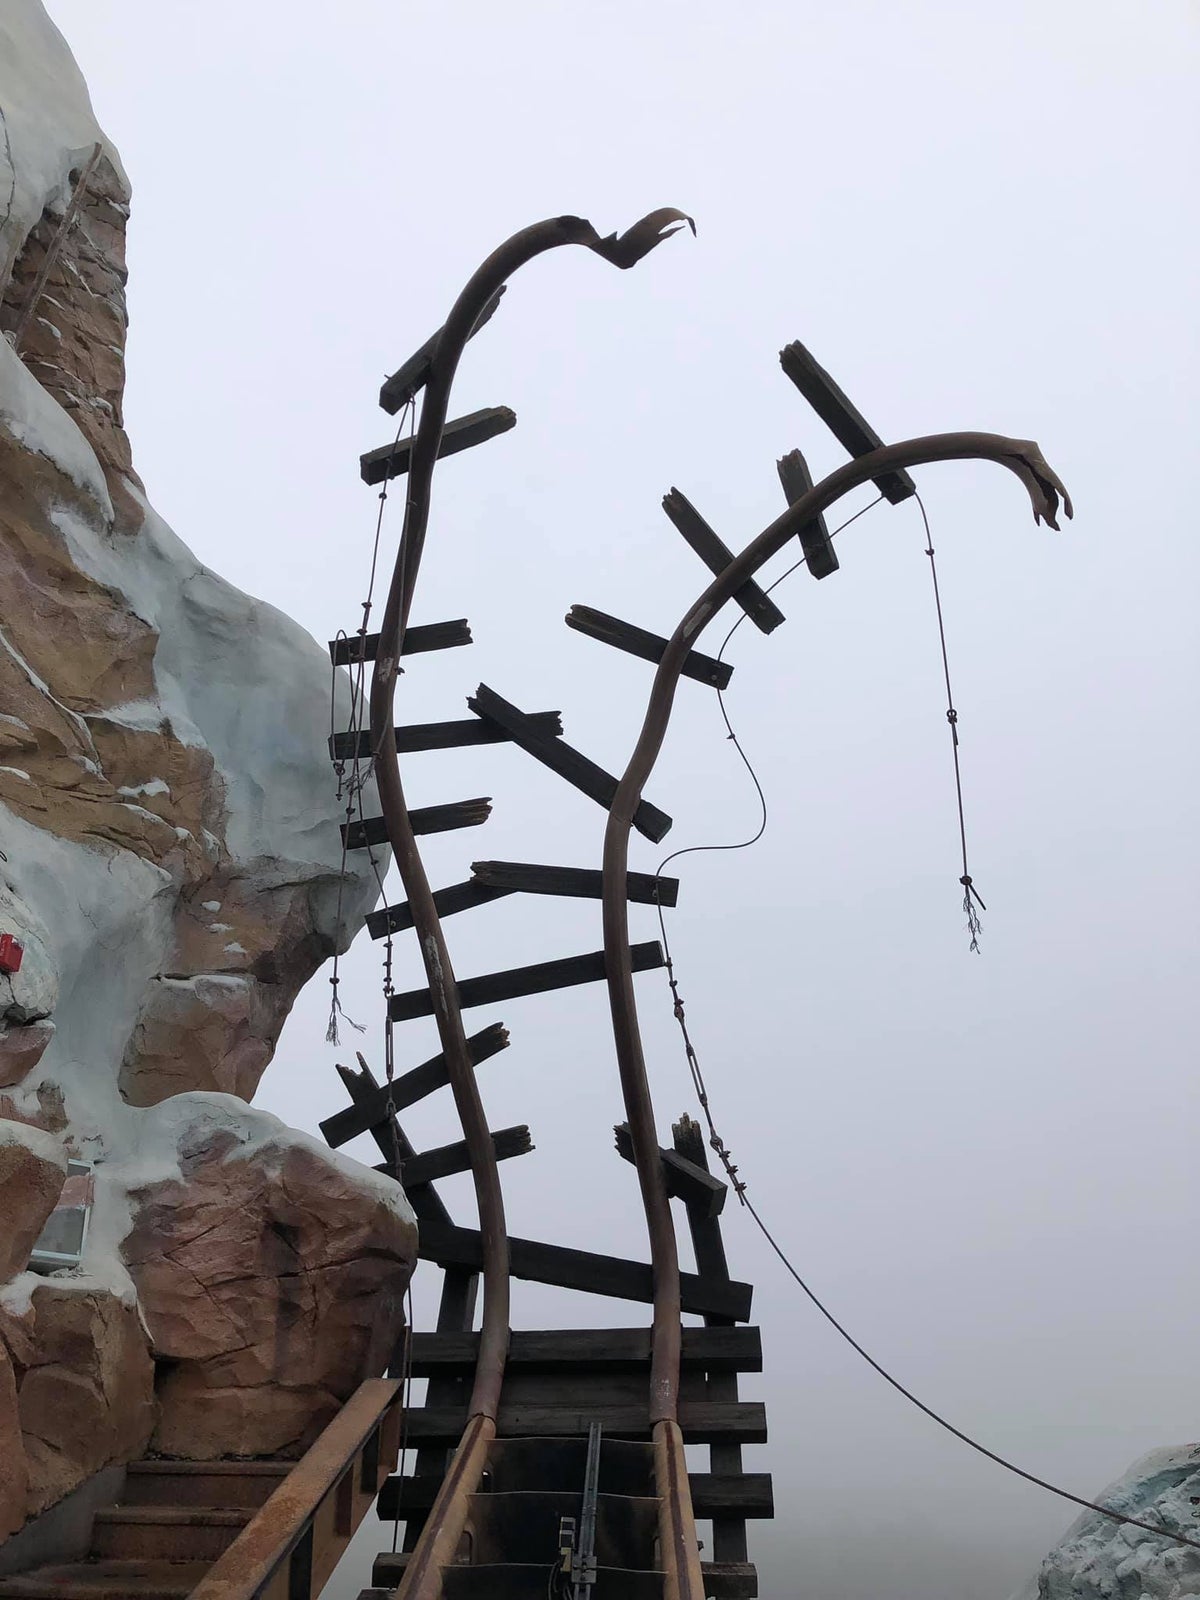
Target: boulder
[(87, 1397), (1099, 1559), (271, 1275), (21, 1048), (14, 1472), (33, 1169)]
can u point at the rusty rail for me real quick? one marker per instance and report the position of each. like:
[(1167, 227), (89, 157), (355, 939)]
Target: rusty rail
[(290, 1547)]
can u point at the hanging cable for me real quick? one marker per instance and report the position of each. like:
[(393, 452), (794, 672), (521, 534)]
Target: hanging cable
[(972, 904)]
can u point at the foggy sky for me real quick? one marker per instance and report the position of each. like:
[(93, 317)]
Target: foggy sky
[(976, 217)]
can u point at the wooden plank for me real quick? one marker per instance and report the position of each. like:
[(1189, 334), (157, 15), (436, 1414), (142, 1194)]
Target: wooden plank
[(586, 1271), (643, 888), (425, 1201), (537, 979), (749, 1494), (392, 460), (732, 1349), (349, 651), (409, 379), (843, 419), (730, 1580), (685, 1181), (577, 769), (370, 1106), (457, 897), (819, 554), (702, 1421), (450, 1158), (646, 646), (461, 732), (716, 556), (425, 819)]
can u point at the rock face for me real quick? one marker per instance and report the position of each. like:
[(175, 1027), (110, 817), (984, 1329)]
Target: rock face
[(272, 1280), (1098, 1559), (170, 865)]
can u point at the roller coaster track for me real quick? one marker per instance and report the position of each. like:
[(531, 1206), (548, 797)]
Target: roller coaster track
[(552, 1486)]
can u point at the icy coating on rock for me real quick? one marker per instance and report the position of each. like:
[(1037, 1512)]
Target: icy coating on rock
[(171, 856)]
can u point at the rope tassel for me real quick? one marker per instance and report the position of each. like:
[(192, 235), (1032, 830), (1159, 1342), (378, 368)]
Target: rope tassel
[(336, 1011)]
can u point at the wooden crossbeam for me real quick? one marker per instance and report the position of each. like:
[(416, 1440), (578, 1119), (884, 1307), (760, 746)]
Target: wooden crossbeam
[(369, 1110), (702, 1421), (685, 1181), (425, 819), (461, 732), (819, 554), (592, 780), (643, 888), (408, 380), (731, 1349), (447, 902), (843, 419), (647, 646), (425, 1201), (585, 1271), (392, 460), (348, 651), (446, 1159), (746, 1494), (716, 556), (495, 986)]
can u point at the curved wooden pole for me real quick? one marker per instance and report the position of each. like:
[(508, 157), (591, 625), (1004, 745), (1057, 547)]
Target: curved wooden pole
[(621, 251), (1022, 457)]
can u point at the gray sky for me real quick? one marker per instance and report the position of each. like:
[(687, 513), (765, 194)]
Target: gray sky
[(976, 217)]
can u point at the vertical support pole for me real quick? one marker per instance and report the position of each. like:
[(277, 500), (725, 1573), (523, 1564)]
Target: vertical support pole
[(456, 1314), (729, 1533)]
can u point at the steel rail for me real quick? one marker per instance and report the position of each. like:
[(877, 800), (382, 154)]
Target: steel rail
[(1022, 457), (622, 251)]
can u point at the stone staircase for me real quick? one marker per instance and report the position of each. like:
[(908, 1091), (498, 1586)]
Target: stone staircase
[(173, 1521)]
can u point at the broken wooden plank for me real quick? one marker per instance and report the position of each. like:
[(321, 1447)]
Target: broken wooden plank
[(725, 1349), (702, 1421), (716, 556), (685, 1181), (457, 897), (461, 732), (645, 645), (586, 1271), (392, 460), (643, 888), (536, 979), (355, 647), (425, 819), (409, 379), (370, 1106), (446, 1159), (819, 554), (390, 1137), (843, 419), (592, 780)]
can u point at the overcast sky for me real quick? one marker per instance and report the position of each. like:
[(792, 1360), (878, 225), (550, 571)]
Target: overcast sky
[(975, 216)]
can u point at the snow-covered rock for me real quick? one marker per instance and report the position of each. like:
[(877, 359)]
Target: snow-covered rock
[(1099, 1559), (169, 834)]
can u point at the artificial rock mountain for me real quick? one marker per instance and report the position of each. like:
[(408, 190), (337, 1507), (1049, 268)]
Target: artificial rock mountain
[(171, 860)]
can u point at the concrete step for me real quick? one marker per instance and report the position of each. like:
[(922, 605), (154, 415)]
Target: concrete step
[(203, 1483), (108, 1580), (167, 1533)]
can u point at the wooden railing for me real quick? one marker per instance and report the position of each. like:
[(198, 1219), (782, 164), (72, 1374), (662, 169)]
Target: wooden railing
[(289, 1549)]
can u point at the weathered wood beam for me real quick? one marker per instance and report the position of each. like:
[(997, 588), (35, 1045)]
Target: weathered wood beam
[(702, 1421), (685, 1181), (716, 556), (447, 902), (446, 1159), (586, 1271), (461, 732), (409, 379), (370, 1104), (425, 819), (392, 460), (537, 979), (646, 646), (577, 769), (355, 647), (843, 419), (731, 1349), (749, 1494), (819, 554), (643, 888)]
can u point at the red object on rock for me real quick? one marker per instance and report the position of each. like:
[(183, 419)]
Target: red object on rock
[(11, 951)]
